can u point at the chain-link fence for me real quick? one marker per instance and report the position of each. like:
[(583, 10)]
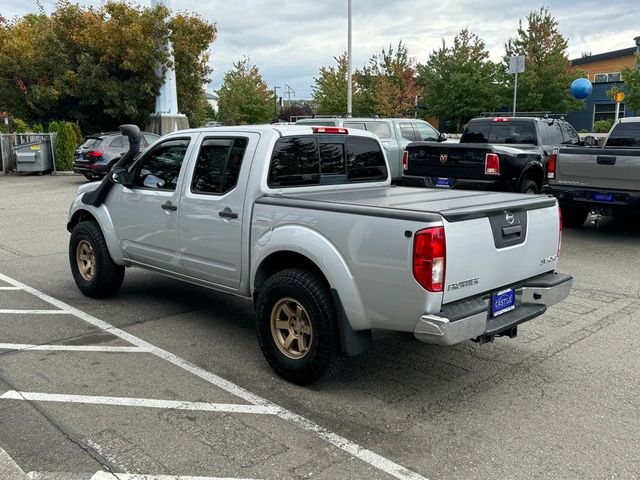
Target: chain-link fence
[(9, 142)]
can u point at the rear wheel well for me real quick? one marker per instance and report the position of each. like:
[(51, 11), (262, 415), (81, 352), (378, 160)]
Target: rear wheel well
[(284, 260), (534, 173), (80, 216)]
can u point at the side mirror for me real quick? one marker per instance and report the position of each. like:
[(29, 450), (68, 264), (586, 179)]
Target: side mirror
[(121, 176), (591, 141), (443, 137)]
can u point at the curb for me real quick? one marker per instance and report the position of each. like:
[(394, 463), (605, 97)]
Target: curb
[(9, 470), (64, 173)]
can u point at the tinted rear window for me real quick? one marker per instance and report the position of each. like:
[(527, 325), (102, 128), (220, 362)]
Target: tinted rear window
[(625, 135), (91, 143), (317, 160), (510, 132), (381, 129)]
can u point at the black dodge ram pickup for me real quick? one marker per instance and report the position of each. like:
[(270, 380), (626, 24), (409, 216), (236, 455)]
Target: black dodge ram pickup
[(494, 153)]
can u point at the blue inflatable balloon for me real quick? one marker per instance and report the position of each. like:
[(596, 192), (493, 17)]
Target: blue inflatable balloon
[(581, 88)]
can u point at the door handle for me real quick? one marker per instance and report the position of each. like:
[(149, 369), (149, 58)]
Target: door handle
[(606, 160), (169, 206), (227, 213)]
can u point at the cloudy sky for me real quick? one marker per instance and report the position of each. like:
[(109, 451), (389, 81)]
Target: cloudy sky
[(290, 39)]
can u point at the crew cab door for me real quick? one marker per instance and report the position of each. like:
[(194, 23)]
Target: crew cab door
[(147, 213), (213, 207)]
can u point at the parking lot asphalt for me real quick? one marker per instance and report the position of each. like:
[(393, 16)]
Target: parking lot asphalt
[(166, 380)]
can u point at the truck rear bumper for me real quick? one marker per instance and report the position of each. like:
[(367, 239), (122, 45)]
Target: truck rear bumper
[(622, 199), (463, 183), (470, 318)]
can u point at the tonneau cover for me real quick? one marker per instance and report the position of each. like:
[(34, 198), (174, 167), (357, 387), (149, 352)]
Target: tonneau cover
[(413, 203)]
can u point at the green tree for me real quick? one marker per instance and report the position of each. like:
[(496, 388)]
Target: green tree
[(388, 83), (544, 85), (459, 81), (98, 66), (631, 88), (330, 89), (191, 37), (244, 97)]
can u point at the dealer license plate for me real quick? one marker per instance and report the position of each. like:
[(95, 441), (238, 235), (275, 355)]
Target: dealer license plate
[(604, 197), (442, 182), (502, 302)]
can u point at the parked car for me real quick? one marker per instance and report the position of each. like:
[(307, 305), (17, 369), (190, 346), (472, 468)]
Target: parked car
[(99, 152), (495, 153), (303, 221), (602, 178), (394, 134)]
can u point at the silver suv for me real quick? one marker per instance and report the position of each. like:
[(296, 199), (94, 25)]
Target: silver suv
[(394, 134)]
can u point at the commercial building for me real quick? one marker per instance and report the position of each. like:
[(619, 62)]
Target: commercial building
[(604, 71)]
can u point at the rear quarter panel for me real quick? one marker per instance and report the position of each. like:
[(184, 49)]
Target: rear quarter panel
[(366, 258)]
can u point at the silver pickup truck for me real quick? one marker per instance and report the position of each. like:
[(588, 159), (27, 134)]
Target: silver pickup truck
[(605, 179), (303, 221)]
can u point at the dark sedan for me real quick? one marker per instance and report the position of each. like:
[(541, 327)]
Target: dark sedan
[(99, 152)]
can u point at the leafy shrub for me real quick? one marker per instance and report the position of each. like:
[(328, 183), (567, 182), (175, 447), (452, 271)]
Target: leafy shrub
[(65, 145), (37, 128), (602, 126), (20, 125), (77, 133)]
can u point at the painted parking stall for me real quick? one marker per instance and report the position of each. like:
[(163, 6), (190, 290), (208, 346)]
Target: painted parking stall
[(247, 403)]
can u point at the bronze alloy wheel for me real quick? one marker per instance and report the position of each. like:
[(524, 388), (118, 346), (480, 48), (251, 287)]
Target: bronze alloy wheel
[(86, 260), (291, 328)]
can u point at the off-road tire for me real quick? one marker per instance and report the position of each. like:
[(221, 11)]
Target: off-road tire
[(314, 295), (529, 186), (108, 276), (572, 216)]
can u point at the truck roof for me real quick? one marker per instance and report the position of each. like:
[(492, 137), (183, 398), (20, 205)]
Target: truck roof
[(281, 130), (629, 120)]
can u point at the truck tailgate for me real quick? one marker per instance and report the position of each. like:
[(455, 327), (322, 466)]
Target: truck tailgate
[(487, 253), (452, 160), (606, 168)]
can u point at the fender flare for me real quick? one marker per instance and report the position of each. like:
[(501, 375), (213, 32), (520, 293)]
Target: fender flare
[(105, 222), (319, 250), (534, 165)]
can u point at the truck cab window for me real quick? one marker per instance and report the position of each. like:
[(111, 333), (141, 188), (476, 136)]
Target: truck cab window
[(218, 165), (160, 169), (295, 161), (625, 135), (365, 161), (426, 133), (408, 133)]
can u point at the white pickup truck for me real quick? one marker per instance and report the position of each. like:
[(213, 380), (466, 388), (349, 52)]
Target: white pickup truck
[(304, 221)]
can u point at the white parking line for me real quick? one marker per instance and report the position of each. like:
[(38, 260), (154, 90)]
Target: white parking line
[(375, 460), (102, 475), (33, 312), (73, 348), (138, 402), (10, 288)]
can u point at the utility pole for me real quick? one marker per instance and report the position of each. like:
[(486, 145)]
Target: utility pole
[(275, 101), (349, 64), (288, 91)]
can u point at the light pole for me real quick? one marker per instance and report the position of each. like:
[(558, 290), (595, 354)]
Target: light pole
[(349, 64)]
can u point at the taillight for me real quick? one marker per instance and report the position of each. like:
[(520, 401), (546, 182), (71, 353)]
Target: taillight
[(405, 160), (94, 153), (429, 258), (491, 164), (551, 166), (339, 130), (560, 230)]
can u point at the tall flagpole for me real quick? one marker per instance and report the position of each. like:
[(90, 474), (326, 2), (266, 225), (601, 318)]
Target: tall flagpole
[(349, 63)]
